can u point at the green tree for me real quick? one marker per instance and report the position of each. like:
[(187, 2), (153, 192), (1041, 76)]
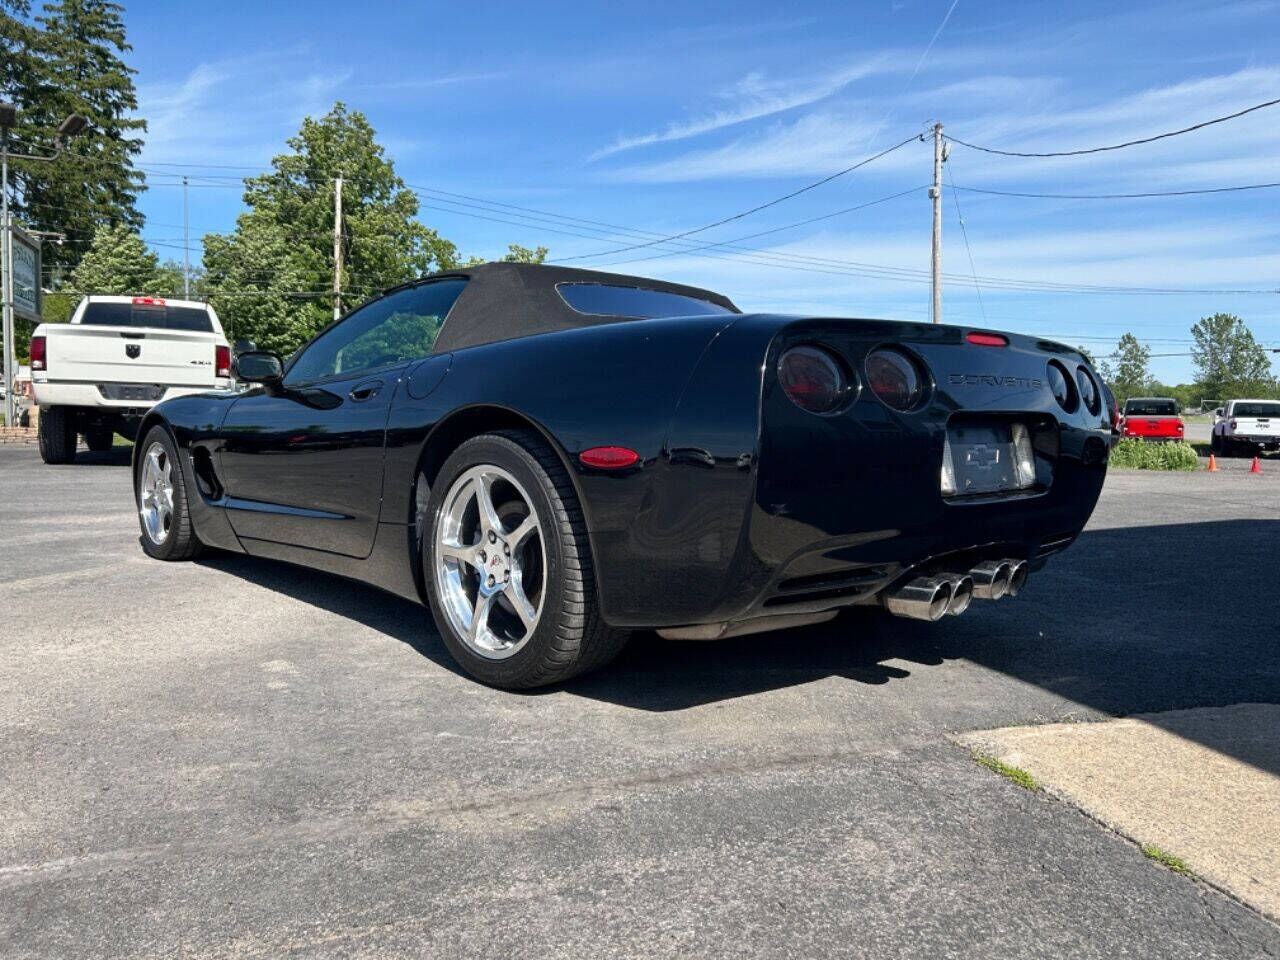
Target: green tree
[(117, 261), (269, 279), (519, 254), (72, 63), (1131, 375), (1229, 362)]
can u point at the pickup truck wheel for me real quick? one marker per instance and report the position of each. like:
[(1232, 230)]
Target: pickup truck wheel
[(508, 565), (1215, 444), (161, 494), (100, 439), (57, 435)]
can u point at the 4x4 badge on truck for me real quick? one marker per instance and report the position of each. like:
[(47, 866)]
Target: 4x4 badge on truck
[(132, 350)]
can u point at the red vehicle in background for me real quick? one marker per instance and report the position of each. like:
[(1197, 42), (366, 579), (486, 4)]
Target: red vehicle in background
[(1152, 418)]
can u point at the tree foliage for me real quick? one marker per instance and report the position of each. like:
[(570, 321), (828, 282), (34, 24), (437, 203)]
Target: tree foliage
[(68, 59), (519, 254), (1130, 368), (117, 261), (282, 248), (1229, 362)]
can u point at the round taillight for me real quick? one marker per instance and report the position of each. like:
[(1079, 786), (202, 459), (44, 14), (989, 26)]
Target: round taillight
[(813, 379), (1088, 391), (1060, 385), (895, 378)]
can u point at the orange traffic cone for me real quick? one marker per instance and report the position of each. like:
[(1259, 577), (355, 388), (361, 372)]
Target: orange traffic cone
[(1257, 467), (1213, 463)]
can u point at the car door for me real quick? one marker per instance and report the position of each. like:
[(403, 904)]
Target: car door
[(302, 464)]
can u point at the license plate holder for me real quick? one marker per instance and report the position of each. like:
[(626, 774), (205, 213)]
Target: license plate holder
[(982, 458)]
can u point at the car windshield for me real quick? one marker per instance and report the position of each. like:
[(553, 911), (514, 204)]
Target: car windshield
[(1256, 410), (157, 316), (1150, 408), (613, 301)]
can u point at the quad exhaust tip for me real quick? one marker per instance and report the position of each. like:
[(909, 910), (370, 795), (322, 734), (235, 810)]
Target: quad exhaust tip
[(930, 598)]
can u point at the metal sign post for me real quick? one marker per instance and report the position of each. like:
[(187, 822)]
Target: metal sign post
[(22, 294)]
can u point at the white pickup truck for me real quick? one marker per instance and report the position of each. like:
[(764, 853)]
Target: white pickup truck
[(1246, 426), (99, 374)]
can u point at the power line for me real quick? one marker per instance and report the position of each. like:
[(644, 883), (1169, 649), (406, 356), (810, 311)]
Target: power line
[(746, 213), (1121, 196), (1120, 146), (968, 249)]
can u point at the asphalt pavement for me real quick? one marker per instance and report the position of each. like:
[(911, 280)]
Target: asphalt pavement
[(233, 757)]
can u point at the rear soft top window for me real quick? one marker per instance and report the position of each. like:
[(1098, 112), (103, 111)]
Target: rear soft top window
[(155, 315), (1256, 410), (1150, 408), (616, 301)]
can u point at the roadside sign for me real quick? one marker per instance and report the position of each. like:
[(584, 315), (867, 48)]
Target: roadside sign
[(25, 257)]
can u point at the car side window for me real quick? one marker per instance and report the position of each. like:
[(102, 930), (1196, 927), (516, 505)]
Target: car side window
[(391, 330)]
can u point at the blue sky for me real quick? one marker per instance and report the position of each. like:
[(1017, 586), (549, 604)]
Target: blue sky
[(665, 116)]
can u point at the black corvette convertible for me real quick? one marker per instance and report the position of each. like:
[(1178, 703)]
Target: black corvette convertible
[(551, 458)]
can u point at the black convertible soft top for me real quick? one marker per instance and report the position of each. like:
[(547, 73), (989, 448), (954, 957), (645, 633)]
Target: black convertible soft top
[(502, 301)]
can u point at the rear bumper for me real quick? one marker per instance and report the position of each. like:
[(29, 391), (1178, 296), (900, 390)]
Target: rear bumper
[(118, 397)]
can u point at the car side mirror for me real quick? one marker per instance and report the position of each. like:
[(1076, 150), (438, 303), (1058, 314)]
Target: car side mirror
[(245, 346), (259, 366), (1218, 412)]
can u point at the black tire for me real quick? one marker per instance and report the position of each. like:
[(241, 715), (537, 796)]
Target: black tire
[(99, 439), (179, 540), (57, 435), (570, 637), (1215, 444)]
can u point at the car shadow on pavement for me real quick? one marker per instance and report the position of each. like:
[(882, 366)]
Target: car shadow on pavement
[(1129, 620)]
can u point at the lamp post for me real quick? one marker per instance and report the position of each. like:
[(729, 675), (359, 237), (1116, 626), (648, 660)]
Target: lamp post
[(8, 120)]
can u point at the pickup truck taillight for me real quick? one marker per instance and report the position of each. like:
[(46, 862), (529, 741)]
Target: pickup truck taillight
[(1233, 424), (221, 361), (37, 353)]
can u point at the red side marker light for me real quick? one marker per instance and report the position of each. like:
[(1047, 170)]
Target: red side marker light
[(987, 339), (609, 458)]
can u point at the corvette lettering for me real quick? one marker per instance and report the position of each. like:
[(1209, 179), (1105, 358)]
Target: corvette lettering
[(986, 380)]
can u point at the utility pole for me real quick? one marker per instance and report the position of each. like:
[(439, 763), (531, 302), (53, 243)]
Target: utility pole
[(337, 248), (186, 245), (935, 192)]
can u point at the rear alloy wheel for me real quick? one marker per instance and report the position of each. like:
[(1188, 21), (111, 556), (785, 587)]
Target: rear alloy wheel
[(161, 494), (508, 564), (57, 435)]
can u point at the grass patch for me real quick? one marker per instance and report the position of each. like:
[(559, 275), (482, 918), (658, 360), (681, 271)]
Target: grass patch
[(1143, 455), (1013, 774), (1176, 864)]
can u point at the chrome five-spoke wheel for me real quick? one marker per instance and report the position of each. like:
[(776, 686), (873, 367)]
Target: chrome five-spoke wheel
[(155, 493), (490, 561)]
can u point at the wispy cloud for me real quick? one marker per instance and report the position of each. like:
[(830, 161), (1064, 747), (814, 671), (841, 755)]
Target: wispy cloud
[(755, 97)]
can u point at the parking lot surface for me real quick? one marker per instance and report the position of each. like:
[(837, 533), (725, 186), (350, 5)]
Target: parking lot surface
[(233, 757)]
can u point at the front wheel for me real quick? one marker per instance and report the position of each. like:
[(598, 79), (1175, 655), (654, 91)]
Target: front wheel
[(161, 494), (508, 565)]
